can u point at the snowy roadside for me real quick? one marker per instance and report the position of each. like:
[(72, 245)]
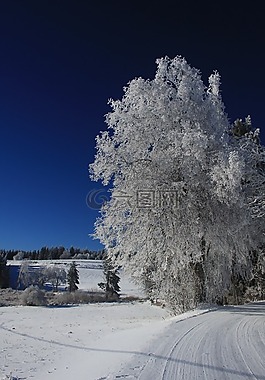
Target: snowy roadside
[(87, 342)]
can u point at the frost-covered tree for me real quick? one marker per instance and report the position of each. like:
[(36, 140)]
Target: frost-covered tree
[(24, 276), (179, 215), (73, 277), (247, 140), (54, 275)]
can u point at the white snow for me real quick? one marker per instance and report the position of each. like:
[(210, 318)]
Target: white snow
[(134, 340), (84, 342), (226, 344)]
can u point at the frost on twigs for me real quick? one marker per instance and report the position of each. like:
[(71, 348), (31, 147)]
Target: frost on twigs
[(182, 184), (214, 84)]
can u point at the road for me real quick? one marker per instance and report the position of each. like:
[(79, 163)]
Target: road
[(226, 344)]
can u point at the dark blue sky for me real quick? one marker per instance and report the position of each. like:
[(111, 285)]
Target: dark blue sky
[(62, 60)]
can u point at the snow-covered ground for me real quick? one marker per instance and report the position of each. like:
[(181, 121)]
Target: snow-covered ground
[(83, 342), (129, 341)]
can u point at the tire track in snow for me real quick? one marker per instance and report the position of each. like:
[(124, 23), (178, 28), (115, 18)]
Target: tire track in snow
[(169, 371), (222, 345), (250, 330)]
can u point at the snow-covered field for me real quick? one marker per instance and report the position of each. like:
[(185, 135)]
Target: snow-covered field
[(83, 342), (129, 341)]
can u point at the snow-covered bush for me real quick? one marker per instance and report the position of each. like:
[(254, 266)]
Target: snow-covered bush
[(33, 296), (81, 297)]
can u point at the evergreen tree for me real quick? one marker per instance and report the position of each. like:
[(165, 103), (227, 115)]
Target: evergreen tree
[(111, 285), (3, 271), (73, 277)]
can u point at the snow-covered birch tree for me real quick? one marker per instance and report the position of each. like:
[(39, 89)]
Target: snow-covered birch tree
[(178, 217)]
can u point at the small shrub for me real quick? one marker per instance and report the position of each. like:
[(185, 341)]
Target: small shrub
[(33, 296), (76, 297), (81, 297)]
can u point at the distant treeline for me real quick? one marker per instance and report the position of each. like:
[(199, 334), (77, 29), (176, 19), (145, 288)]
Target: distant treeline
[(53, 253)]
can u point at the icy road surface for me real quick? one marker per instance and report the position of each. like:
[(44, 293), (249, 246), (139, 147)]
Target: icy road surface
[(225, 344)]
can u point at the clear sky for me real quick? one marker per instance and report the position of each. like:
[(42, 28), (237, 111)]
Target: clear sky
[(61, 60)]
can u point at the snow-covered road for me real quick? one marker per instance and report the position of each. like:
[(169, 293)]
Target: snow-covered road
[(228, 343)]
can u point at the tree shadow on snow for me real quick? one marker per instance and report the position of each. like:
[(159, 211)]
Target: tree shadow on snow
[(251, 309), (70, 306)]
